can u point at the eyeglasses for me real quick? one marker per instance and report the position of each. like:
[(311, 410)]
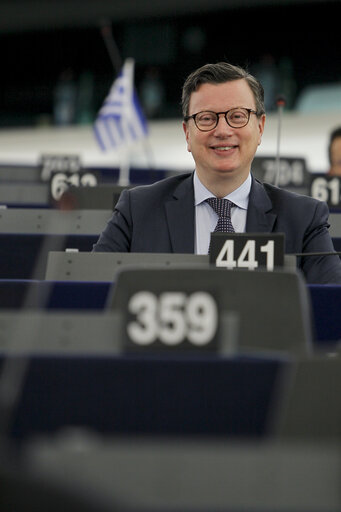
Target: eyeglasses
[(235, 117)]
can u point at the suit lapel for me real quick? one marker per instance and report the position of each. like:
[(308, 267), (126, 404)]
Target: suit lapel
[(260, 218), (180, 217), (180, 214)]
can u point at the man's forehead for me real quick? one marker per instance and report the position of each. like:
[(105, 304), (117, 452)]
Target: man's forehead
[(232, 93)]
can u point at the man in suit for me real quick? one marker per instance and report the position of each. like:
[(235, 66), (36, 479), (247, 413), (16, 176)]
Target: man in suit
[(224, 118)]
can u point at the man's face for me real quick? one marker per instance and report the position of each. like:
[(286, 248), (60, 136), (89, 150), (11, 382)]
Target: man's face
[(223, 151), (335, 155)]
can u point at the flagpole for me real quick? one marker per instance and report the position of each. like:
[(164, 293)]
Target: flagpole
[(117, 63), (124, 176), (111, 46)]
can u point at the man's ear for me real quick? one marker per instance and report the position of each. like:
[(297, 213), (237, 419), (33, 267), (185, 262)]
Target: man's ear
[(261, 125), (186, 131)]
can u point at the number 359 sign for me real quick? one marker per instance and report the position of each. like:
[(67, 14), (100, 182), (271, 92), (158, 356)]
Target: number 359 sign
[(172, 319), (173, 309)]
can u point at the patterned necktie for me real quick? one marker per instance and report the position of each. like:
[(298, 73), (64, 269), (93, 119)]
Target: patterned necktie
[(222, 207)]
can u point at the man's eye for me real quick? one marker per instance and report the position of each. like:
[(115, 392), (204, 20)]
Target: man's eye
[(207, 118), (238, 116)]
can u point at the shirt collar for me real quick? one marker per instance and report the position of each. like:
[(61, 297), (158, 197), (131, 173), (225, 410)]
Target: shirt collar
[(240, 196)]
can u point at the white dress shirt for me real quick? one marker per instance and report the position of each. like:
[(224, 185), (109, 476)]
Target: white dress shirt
[(206, 218)]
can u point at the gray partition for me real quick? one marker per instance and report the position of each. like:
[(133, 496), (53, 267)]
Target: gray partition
[(19, 173), (310, 406), (335, 224), (50, 221), (24, 193), (186, 475), (42, 332), (103, 266), (273, 309), (99, 197)]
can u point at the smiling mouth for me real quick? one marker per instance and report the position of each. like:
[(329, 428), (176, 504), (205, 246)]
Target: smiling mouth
[(223, 148)]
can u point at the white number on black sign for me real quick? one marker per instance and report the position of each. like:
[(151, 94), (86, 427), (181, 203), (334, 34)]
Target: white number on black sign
[(326, 190), (172, 318), (289, 172), (247, 257), (60, 182)]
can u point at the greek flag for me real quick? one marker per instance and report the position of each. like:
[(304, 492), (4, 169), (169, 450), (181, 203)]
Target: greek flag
[(120, 120)]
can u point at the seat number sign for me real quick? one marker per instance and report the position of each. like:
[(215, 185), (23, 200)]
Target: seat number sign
[(247, 251), (63, 171), (172, 320), (326, 188), (61, 181)]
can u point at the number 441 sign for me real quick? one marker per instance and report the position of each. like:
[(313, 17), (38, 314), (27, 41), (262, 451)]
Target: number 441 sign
[(247, 250)]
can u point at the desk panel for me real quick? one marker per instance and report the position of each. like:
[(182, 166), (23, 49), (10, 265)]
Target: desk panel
[(240, 397), (24, 256), (326, 311), (335, 224), (50, 221), (163, 396), (337, 243)]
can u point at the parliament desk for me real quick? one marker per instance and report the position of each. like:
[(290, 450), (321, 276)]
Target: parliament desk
[(154, 395), (82, 295), (204, 431), (29, 187), (187, 475), (49, 221), (190, 433), (24, 256), (28, 235)]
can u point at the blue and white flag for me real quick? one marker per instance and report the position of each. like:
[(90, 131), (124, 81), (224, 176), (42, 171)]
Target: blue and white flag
[(120, 121)]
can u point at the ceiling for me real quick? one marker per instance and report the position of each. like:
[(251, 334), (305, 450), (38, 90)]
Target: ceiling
[(24, 15)]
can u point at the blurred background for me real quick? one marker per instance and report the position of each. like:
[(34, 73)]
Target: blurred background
[(56, 69)]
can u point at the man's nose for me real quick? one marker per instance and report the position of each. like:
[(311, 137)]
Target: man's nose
[(223, 127)]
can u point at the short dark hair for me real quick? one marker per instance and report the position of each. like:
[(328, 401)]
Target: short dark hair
[(219, 73), (335, 134)]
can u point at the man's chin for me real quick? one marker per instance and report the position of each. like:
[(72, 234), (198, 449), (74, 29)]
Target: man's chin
[(227, 170)]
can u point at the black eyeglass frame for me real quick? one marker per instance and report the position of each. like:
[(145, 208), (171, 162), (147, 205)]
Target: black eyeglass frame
[(249, 111)]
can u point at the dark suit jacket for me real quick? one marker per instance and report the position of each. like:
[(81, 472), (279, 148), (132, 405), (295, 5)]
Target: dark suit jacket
[(160, 218)]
